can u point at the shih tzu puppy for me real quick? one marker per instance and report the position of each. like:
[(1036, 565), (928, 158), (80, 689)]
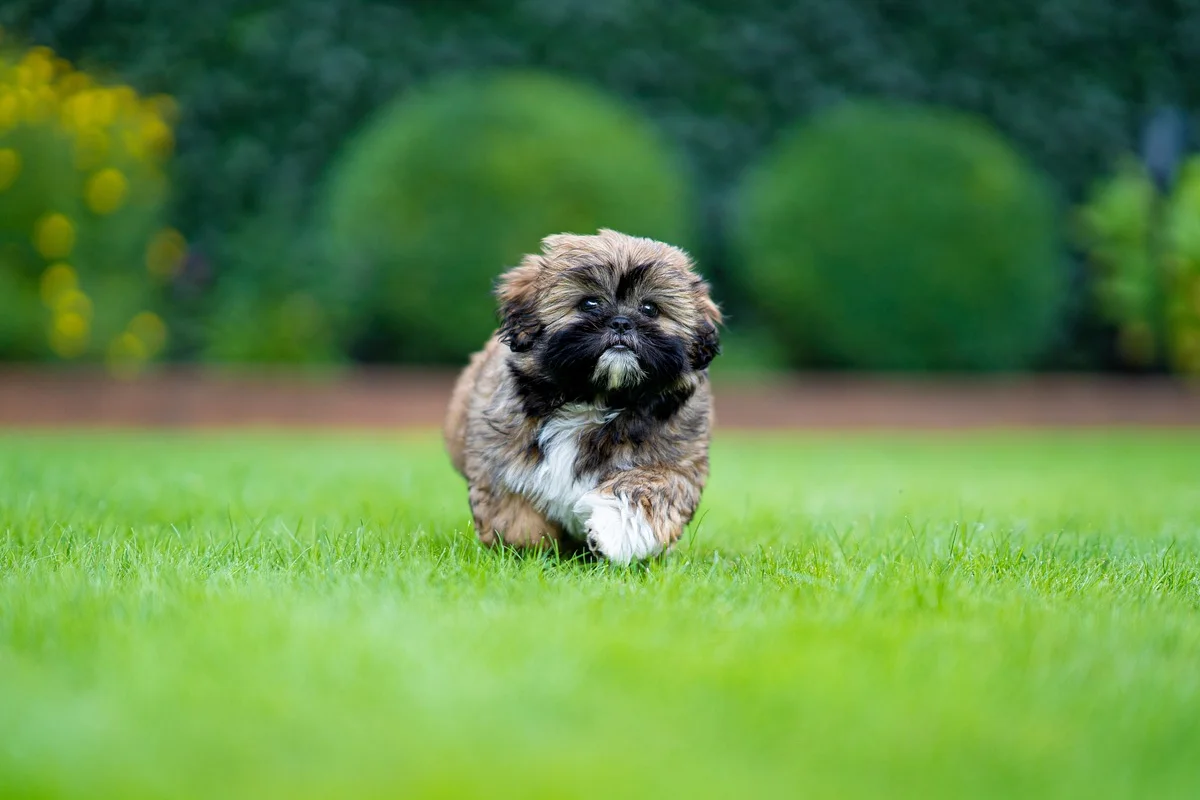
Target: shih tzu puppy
[(585, 420)]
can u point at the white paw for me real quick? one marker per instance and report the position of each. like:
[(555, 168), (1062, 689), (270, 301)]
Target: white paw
[(617, 529)]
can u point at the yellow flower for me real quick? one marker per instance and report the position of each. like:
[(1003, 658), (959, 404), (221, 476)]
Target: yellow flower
[(54, 236), (103, 107), (58, 281), (70, 325), (165, 253), (69, 335), (156, 136), (10, 167), (105, 191), (10, 110), (74, 111), (93, 107), (150, 330), (42, 104), (24, 76), (74, 302), (37, 67)]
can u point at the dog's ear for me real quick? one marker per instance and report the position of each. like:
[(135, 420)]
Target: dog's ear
[(516, 292), (706, 345)]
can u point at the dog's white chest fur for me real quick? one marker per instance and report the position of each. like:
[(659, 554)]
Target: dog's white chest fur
[(611, 525), (552, 485)]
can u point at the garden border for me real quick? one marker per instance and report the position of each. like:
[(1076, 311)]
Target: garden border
[(406, 398)]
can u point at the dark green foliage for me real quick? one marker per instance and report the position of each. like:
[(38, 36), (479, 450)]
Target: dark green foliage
[(891, 237), (449, 187), (270, 91), (1144, 248), (291, 306)]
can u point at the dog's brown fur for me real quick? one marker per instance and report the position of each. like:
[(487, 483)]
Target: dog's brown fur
[(638, 452)]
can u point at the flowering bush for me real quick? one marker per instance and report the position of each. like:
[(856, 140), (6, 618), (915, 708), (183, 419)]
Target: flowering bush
[(1145, 250), (450, 185), (82, 196)]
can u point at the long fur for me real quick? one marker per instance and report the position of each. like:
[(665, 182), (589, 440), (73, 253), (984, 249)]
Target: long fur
[(585, 420)]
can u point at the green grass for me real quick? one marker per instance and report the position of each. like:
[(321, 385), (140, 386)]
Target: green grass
[(304, 616)]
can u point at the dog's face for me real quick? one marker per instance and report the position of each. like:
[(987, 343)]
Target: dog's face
[(608, 314)]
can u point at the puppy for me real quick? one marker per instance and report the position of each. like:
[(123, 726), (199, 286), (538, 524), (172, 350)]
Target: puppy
[(585, 420)]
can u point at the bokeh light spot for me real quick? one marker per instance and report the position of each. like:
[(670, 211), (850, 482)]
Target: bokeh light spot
[(58, 281), (155, 136), (103, 107), (69, 335), (10, 110), (106, 191), (54, 236), (74, 302), (37, 67)]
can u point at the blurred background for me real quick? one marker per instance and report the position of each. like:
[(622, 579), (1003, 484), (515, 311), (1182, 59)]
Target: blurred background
[(870, 185)]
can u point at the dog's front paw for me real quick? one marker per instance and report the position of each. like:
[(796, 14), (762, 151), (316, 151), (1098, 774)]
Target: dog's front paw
[(617, 529)]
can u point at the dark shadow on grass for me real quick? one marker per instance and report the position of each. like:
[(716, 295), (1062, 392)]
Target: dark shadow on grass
[(576, 559)]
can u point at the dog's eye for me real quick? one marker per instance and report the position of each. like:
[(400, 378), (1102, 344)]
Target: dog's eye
[(650, 309), (589, 304)]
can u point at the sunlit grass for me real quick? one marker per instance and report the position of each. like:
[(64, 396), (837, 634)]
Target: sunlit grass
[(299, 616)]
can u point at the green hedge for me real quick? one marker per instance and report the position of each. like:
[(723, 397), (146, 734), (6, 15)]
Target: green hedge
[(1145, 251), (270, 92), (279, 299), (892, 237), (450, 186)]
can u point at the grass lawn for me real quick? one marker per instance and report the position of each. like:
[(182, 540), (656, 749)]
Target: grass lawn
[(305, 616)]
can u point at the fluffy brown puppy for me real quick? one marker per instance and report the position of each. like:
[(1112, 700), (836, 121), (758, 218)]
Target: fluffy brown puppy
[(586, 418)]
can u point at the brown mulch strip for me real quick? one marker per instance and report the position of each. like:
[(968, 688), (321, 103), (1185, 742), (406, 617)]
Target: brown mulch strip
[(191, 398)]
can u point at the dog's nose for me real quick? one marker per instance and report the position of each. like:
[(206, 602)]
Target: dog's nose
[(621, 324)]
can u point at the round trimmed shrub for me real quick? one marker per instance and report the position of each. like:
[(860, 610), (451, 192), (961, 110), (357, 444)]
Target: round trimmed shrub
[(448, 187), (897, 238)]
